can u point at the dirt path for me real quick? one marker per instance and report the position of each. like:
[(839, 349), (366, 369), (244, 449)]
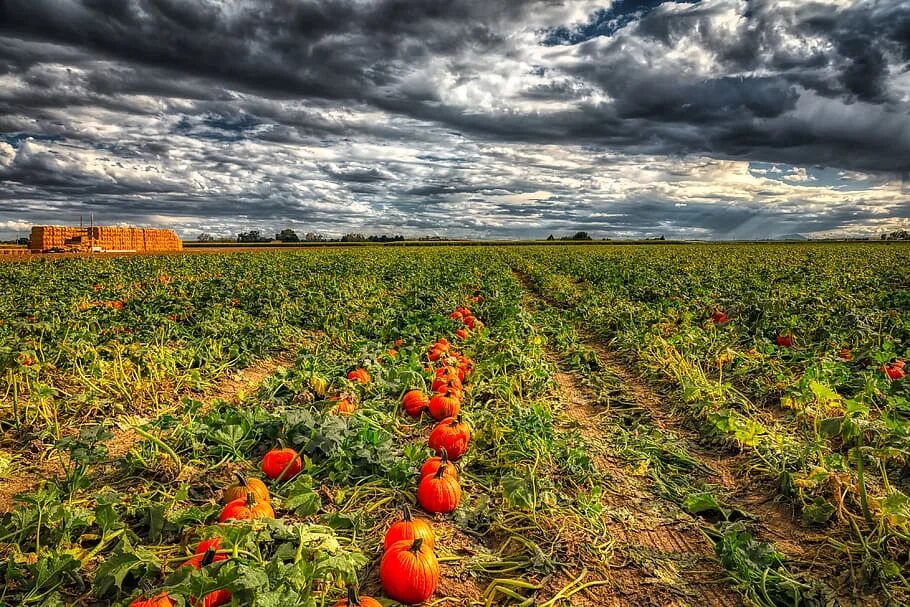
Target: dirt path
[(34, 467)]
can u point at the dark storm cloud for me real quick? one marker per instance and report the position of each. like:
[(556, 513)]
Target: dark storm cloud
[(400, 108)]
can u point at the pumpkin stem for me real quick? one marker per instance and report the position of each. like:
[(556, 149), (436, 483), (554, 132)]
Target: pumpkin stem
[(443, 455), (406, 512), (440, 471), (208, 558), (415, 547), (250, 499), (240, 478), (353, 599)]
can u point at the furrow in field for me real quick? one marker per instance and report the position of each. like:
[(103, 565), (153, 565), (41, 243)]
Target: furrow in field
[(659, 560)]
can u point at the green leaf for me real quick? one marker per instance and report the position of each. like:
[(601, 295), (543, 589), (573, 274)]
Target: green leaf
[(897, 505), (697, 503), (818, 512), (304, 502), (124, 562)]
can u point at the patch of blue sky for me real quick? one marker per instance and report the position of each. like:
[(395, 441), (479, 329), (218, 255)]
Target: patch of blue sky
[(605, 21)]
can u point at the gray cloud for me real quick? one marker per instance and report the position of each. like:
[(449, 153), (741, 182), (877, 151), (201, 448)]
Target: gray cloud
[(416, 115)]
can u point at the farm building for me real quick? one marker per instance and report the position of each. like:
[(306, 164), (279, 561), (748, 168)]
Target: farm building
[(45, 239)]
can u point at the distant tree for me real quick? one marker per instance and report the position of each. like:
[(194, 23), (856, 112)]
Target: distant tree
[(581, 236), (353, 237), (205, 237), (897, 235), (22, 241), (251, 236), (287, 235), (550, 237), (314, 237)]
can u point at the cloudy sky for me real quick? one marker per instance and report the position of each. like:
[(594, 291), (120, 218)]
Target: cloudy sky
[(481, 118)]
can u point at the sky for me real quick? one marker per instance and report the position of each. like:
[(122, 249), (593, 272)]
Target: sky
[(711, 119)]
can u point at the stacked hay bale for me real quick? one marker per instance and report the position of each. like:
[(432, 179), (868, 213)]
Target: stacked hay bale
[(140, 240)]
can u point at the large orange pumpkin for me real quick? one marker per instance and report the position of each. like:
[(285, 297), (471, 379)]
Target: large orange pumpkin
[(409, 571)]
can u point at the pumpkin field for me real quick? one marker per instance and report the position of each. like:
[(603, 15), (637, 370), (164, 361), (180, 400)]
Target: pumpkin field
[(649, 425)]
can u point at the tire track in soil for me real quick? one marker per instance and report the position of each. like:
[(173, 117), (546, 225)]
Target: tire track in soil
[(776, 522), (661, 562), (227, 388)]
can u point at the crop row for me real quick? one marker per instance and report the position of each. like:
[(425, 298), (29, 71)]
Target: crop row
[(789, 353)]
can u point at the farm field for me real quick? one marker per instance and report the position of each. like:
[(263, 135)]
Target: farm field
[(644, 425)]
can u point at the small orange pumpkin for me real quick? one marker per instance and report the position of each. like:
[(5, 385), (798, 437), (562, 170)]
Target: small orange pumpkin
[(355, 600), (159, 600), (434, 463), (360, 376), (343, 407), (445, 405), (414, 401), (246, 509), (246, 485), (281, 464), (447, 383), (451, 435), (439, 492)]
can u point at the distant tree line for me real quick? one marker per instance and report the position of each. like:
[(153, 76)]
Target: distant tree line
[(575, 236), (897, 235), (289, 235)]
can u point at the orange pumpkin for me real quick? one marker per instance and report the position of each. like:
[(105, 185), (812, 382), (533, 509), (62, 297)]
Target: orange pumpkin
[(343, 407), (409, 528), (439, 492), (246, 485), (360, 376), (447, 383), (201, 556), (281, 464), (434, 463), (414, 401), (218, 597), (445, 405), (246, 509), (894, 370), (409, 572), (355, 600), (451, 435), (159, 600)]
